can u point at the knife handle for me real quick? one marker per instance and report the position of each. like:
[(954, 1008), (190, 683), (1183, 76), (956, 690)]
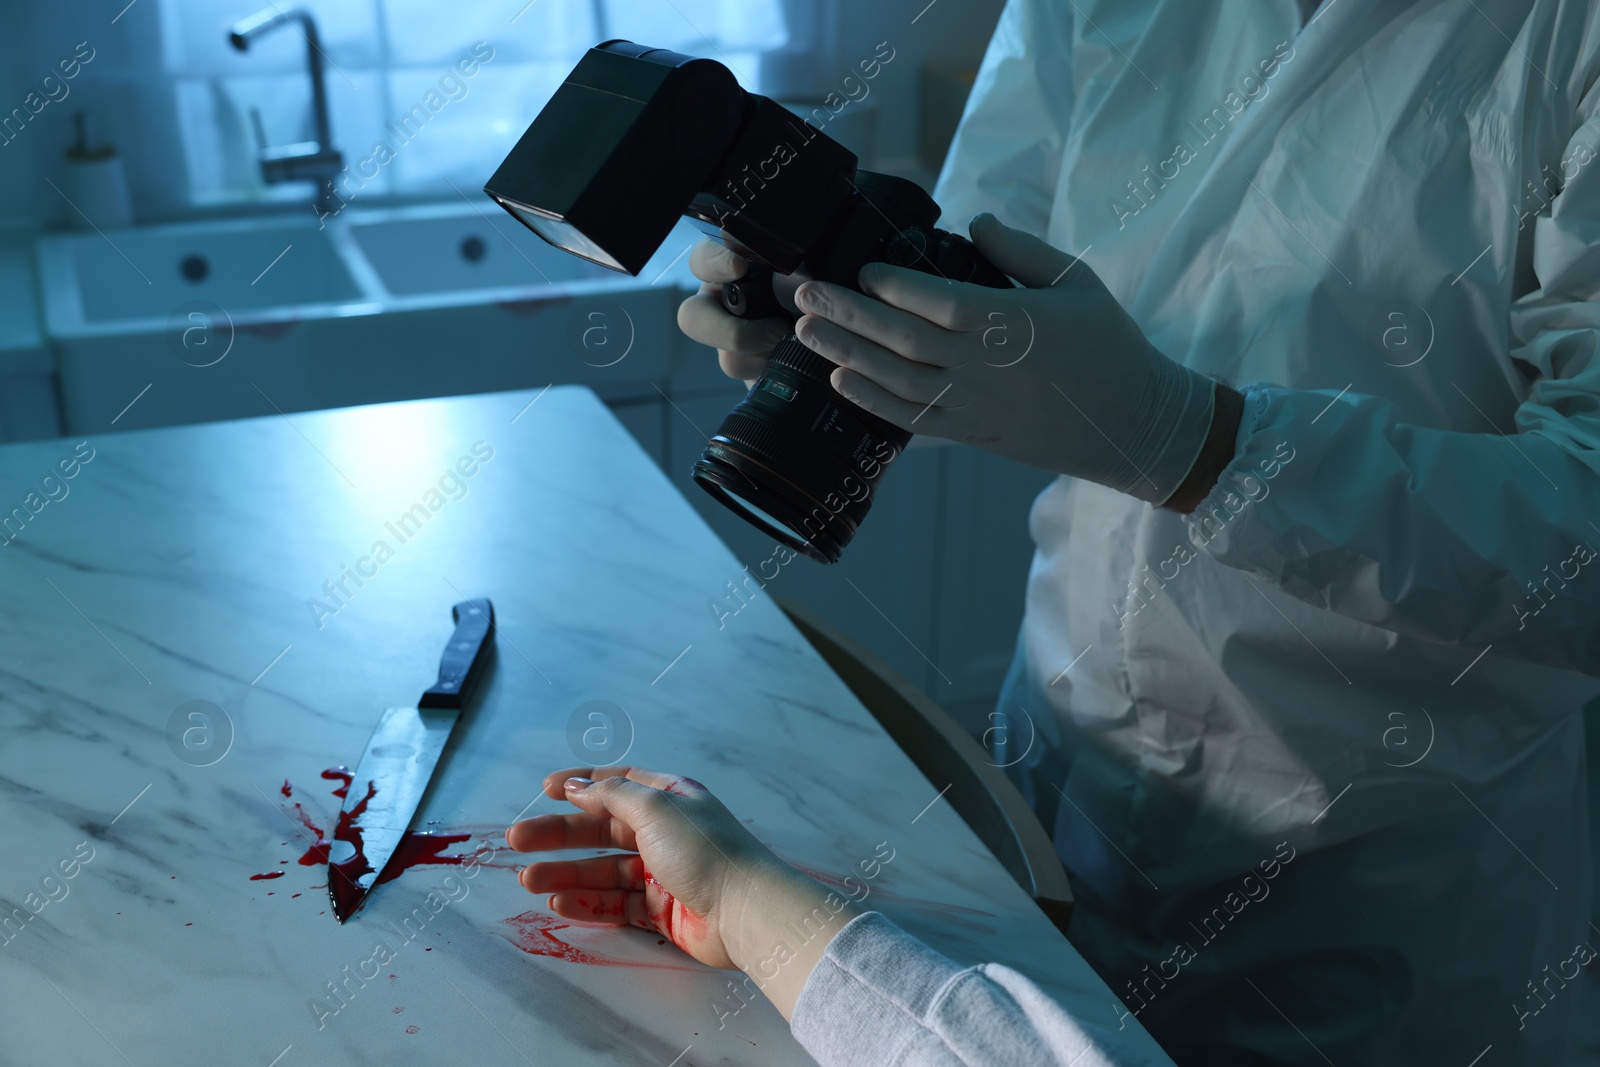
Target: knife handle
[(463, 659)]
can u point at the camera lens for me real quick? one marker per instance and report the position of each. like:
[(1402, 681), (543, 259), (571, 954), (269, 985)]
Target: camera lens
[(796, 459)]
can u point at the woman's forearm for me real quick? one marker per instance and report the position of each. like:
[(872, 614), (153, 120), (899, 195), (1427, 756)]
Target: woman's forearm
[(781, 927)]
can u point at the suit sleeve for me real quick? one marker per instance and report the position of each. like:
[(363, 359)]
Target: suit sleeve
[(1468, 538)]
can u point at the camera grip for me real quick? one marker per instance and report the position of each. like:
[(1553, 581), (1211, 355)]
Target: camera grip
[(751, 297), (946, 254)]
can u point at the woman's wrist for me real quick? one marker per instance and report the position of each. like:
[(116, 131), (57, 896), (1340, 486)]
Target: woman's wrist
[(780, 927)]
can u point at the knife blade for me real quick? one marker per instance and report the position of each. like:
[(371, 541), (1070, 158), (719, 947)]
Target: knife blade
[(393, 773)]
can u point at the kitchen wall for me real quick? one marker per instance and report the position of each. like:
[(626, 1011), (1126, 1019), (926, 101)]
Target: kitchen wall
[(164, 87)]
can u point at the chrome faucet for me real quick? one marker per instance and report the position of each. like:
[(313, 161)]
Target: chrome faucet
[(317, 160)]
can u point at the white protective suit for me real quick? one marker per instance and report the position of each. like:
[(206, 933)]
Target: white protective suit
[(1367, 650)]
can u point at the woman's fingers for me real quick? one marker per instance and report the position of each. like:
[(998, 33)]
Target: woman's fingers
[(602, 906), (555, 781), (597, 872), (615, 801), (552, 833)]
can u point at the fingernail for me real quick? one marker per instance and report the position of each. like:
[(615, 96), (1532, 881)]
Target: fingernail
[(576, 785)]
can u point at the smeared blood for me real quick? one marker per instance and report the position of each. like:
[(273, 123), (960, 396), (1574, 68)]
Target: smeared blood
[(668, 914), (264, 876), (536, 934), (540, 934)]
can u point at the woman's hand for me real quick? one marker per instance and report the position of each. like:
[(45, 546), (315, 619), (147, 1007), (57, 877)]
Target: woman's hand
[(742, 344), (1055, 374), (690, 870)]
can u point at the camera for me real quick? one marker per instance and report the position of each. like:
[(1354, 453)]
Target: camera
[(636, 137)]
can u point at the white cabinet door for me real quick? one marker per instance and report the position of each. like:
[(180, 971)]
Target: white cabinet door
[(983, 574)]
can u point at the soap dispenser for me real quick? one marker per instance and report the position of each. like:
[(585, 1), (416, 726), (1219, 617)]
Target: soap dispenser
[(96, 183)]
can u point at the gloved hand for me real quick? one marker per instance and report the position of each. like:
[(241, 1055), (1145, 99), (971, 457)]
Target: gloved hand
[(1054, 375), (742, 345)]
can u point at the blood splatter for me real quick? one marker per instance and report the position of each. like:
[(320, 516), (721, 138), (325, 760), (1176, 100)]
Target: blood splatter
[(415, 848), (397, 1011), (340, 773), (413, 1029), (264, 876)]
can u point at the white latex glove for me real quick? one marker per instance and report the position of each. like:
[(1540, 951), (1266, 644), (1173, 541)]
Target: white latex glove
[(742, 345), (1054, 375)]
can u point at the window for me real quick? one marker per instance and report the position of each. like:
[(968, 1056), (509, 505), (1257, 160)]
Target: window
[(405, 111)]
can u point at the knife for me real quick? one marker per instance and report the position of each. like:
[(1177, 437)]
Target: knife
[(394, 770)]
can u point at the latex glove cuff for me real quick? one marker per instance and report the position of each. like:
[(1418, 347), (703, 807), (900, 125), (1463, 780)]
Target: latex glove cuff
[(1174, 418)]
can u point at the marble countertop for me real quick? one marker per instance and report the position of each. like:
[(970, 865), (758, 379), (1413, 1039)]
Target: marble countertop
[(185, 653)]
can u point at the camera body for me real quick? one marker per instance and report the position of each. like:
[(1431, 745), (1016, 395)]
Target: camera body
[(636, 137)]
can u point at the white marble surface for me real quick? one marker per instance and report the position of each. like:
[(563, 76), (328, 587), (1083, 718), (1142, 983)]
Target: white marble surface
[(178, 567)]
